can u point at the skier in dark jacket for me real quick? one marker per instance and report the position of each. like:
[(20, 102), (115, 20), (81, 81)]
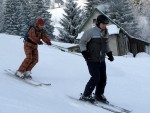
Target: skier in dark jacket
[(94, 45)]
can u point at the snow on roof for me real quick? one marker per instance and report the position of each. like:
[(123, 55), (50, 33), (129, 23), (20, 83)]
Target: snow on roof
[(103, 7), (63, 44), (80, 35), (113, 29)]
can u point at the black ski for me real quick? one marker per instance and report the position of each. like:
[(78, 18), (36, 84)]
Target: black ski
[(97, 104), (116, 107), (28, 81)]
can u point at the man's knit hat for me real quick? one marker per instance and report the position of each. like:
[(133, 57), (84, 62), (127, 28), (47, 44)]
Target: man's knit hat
[(40, 21), (102, 19)]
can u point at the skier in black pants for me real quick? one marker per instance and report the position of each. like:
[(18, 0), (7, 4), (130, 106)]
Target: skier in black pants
[(94, 45)]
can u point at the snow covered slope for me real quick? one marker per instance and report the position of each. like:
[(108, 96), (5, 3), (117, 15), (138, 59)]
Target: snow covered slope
[(127, 86)]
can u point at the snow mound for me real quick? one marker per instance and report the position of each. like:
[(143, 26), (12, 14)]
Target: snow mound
[(128, 55), (142, 54)]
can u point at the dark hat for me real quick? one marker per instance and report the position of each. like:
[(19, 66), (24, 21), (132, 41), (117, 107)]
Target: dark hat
[(102, 19), (40, 21)]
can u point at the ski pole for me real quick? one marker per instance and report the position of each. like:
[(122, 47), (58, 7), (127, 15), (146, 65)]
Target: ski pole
[(59, 47), (64, 49)]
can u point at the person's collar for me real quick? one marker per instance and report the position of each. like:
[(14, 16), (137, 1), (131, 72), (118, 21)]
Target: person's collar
[(38, 28), (98, 28)]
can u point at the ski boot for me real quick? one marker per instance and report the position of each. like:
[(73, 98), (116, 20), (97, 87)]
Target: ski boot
[(27, 75), (20, 74), (101, 98), (87, 98)]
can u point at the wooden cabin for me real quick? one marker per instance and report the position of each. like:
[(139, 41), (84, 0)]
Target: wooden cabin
[(120, 42)]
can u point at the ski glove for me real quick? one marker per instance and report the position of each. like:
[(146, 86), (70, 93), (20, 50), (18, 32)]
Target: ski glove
[(40, 43), (110, 56), (86, 55), (105, 32), (47, 41)]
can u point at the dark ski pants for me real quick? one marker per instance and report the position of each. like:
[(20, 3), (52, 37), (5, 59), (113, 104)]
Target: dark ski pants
[(98, 78)]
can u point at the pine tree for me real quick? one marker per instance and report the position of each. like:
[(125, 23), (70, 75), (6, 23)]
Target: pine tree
[(39, 10), (1, 15), (48, 23), (47, 3), (143, 15), (20, 14), (121, 11), (103, 1), (25, 21), (59, 2), (12, 17), (70, 21), (90, 6)]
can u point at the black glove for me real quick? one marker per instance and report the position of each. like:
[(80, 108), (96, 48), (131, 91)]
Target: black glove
[(110, 56), (86, 55), (106, 32), (40, 43)]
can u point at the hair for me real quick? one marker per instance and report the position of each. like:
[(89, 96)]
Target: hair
[(101, 19)]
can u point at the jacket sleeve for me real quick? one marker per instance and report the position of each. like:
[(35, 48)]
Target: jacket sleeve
[(32, 34), (105, 35), (107, 46), (86, 37), (44, 36)]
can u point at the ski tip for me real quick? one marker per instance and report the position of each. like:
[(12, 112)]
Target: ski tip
[(47, 84), (43, 84)]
